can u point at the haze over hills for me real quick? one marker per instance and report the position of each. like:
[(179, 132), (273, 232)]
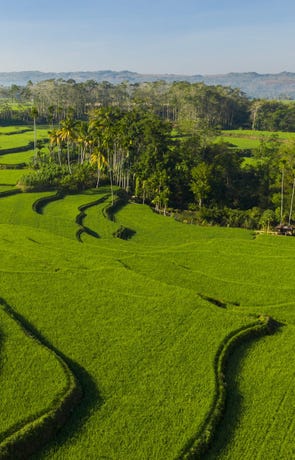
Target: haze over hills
[(270, 86)]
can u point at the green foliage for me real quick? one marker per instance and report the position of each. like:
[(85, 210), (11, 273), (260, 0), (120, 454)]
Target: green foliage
[(45, 178), (81, 178), (197, 447)]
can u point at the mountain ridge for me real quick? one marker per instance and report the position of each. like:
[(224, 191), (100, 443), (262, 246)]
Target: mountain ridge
[(255, 85)]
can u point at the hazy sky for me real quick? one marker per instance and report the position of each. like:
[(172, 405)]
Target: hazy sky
[(148, 36)]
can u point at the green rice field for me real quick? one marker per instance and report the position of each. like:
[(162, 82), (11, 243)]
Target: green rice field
[(250, 139), (16, 158), (17, 138), (129, 347)]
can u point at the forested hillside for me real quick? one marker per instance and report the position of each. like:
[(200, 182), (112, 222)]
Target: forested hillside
[(255, 85)]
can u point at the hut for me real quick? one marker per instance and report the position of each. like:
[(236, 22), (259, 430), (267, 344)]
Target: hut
[(285, 230)]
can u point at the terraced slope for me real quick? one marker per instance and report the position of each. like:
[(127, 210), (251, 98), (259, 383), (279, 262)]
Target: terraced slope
[(16, 158), (15, 139), (124, 328), (146, 323)]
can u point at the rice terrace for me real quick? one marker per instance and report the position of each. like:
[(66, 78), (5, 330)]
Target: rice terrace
[(127, 333)]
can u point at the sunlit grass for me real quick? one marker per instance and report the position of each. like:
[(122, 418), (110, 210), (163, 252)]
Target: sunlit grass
[(17, 158)]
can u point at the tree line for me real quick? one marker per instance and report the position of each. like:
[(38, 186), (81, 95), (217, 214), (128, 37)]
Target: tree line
[(217, 106)]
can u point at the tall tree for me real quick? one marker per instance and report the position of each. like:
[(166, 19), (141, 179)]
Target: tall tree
[(68, 134), (34, 113)]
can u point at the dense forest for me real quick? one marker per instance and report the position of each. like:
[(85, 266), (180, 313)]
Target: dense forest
[(158, 141)]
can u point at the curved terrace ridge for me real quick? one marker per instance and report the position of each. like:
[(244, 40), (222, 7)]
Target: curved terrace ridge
[(199, 444), (81, 216), (39, 205), (27, 437)]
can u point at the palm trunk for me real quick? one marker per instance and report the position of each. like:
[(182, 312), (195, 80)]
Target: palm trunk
[(112, 191), (292, 200), (35, 139), (98, 177), (68, 157), (282, 196)]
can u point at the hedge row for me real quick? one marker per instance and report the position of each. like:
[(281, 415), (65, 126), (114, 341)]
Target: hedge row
[(81, 216), (25, 148), (13, 191), (79, 233), (120, 200), (33, 434), (39, 204), (13, 166), (197, 446), (20, 131)]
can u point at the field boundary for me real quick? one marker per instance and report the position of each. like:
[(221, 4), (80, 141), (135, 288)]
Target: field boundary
[(12, 165), (13, 191), (121, 199), (199, 444), (21, 131), (28, 436), (81, 216), (25, 148), (40, 203)]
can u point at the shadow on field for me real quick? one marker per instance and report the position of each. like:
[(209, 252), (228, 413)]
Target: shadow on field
[(234, 400), (91, 400), (91, 397)]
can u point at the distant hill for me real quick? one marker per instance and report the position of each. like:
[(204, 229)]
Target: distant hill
[(270, 86)]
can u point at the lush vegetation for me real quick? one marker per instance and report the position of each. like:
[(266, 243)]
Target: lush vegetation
[(143, 311)]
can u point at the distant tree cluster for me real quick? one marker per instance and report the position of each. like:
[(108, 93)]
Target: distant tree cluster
[(216, 106)]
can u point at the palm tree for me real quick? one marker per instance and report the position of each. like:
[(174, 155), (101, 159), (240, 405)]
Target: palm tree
[(292, 200), (283, 164), (97, 158), (85, 138), (67, 133), (34, 113), (55, 140), (51, 110)]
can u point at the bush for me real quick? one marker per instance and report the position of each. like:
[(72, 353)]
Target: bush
[(45, 178), (52, 176), (82, 177)]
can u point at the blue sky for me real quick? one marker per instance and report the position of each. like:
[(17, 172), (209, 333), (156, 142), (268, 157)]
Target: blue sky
[(155, 36)]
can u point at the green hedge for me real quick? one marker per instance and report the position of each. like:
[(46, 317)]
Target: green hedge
[(10, 192), (80, 217), (25, 148), (33, 434), (197, 446), (13, 166), (120, 200), (39, 204)]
